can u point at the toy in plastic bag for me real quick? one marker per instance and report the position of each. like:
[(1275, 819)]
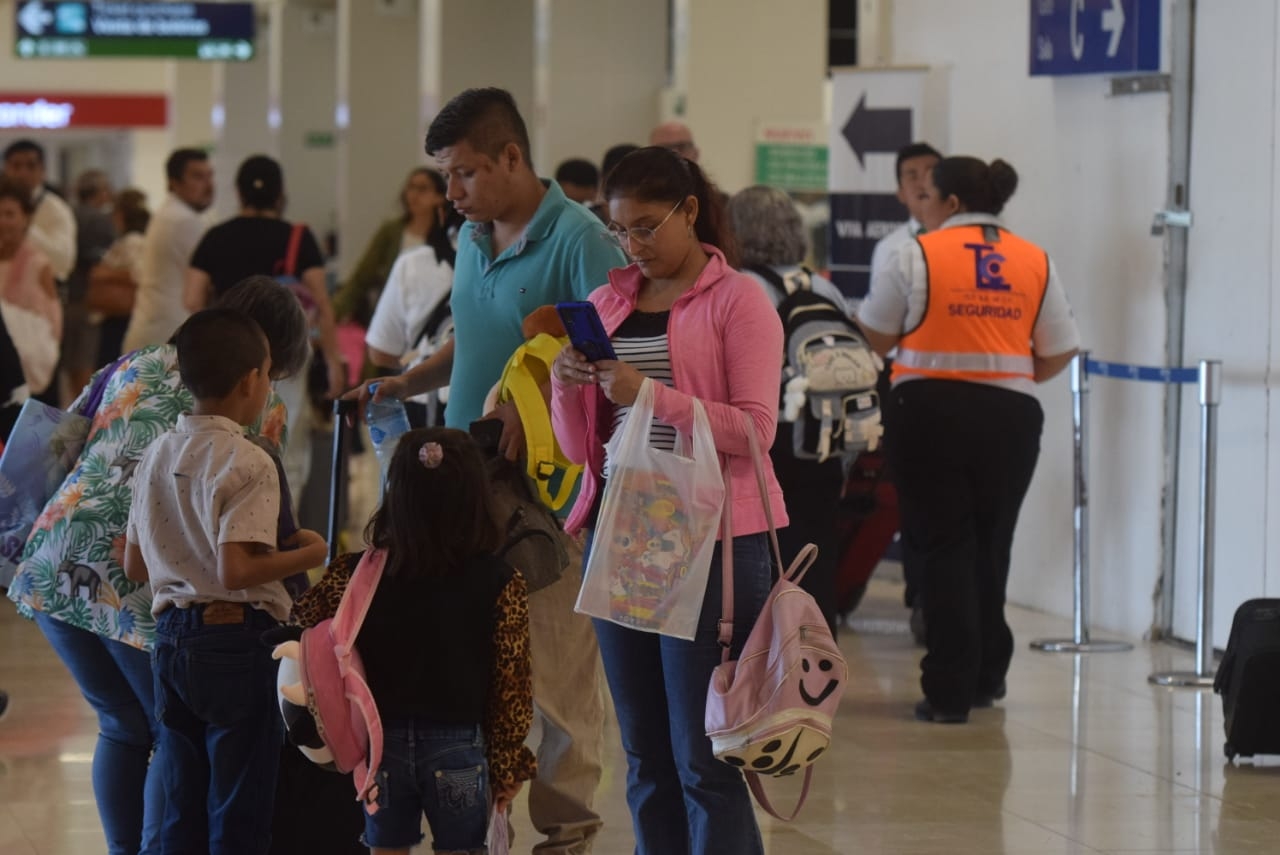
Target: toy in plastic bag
[(44, 445), (651, 553)]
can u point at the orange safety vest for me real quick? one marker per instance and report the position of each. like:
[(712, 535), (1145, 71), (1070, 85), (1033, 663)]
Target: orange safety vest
[(985, 288)]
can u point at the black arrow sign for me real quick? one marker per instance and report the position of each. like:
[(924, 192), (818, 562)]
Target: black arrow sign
[(871, 131)]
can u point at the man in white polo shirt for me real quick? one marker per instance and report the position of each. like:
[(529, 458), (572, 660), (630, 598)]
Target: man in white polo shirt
[(171, 237)]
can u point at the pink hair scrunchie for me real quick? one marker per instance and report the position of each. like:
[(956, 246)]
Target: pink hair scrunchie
[(431, 454)]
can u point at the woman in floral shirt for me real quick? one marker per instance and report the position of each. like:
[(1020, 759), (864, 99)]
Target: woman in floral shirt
[(72, 581)]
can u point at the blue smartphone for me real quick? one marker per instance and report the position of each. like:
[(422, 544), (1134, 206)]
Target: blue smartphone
[(586, 332)]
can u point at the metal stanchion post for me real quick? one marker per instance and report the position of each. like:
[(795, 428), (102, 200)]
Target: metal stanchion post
[(1080, 642), (1210, 398)]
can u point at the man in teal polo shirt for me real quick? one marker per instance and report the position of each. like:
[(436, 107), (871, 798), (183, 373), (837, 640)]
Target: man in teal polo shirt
[(525, 245)]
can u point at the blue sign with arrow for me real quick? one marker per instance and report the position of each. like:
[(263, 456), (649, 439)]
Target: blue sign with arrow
[(1094, 36)]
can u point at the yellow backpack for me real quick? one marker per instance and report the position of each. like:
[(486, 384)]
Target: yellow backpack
[(527, 371)]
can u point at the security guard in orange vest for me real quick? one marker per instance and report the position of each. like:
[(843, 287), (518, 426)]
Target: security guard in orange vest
[(979, 318)]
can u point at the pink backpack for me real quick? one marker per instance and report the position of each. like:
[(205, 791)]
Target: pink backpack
[(770, 711), (322, 672)]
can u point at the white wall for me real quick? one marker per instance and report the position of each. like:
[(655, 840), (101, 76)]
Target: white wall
[(307, 99), (752, 61), (607, 61), (1232, 309), (1092, 170)]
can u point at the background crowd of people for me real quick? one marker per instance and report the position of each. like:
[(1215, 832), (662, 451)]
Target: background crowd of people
[(208, 331)]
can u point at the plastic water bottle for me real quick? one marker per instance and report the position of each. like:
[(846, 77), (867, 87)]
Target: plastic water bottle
[(387, 421)]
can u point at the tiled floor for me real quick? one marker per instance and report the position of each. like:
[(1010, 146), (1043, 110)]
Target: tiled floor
[(1083, 756)]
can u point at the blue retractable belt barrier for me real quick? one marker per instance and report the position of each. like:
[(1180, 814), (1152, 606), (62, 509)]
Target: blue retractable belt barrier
[(1148, 373)]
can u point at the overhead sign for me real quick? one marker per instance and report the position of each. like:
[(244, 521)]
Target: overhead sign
[(874, 113), (68, 30), (792, 157), (53, 112), (1094, 36)]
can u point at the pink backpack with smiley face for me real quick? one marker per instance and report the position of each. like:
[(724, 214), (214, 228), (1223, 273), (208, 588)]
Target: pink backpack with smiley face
[(769, 712)]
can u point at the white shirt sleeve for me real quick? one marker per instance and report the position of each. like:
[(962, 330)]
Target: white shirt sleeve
[(185, 238), (1055, 330), (388, 329), (53, 230), (888, 303)]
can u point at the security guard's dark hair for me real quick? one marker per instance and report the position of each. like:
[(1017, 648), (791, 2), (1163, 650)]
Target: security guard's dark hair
[(914, 150), (979, 187), (657, 174), (486, 118), (217, 348)]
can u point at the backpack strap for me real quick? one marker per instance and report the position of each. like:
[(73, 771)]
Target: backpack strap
[(757, 790), (291, 254), (794, 573), (345, 629), (434, 318), (543, 457)]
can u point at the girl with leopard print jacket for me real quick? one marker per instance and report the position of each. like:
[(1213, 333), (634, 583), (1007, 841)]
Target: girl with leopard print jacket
[(445, 646)]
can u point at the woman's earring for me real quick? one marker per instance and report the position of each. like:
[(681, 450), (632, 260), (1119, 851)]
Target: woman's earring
[(690, 231)]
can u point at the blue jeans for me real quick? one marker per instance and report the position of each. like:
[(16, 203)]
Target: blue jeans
[(437, 770), (683, 800), (220, 732), (115, 679)]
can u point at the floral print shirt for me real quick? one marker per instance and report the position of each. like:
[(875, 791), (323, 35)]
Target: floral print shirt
[(73, 565)]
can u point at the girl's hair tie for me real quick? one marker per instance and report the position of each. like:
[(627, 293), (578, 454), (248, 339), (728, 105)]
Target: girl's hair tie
[(431, 454)]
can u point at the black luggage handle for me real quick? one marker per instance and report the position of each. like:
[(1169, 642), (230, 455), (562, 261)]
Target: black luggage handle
[(337, 488)]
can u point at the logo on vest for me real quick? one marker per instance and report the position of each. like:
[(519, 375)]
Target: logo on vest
[(987, 266)]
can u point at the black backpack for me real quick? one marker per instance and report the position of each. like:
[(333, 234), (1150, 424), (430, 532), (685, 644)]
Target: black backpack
[(829, 376), (1249, 680)]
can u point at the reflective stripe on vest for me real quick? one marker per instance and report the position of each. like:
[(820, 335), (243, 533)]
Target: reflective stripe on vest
[(985, 287)]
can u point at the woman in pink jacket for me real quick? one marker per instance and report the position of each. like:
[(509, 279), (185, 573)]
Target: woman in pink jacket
[(682, 318)]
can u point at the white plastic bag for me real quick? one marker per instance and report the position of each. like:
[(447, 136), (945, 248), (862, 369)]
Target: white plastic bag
[(33, 338), (651, 554)]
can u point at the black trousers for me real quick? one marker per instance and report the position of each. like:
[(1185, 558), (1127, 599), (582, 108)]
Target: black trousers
[(812, 494), (963, 455)]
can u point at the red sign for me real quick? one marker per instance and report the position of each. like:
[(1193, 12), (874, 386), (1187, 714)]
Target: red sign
[(38, 112)]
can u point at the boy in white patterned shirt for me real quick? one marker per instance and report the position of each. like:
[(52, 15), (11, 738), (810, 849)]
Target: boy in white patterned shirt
[(203, 531)]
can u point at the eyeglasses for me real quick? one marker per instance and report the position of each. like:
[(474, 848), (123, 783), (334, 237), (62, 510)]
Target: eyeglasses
[(640, 234)]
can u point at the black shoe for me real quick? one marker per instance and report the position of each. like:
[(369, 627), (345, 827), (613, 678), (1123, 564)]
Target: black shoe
[(926, 712), (984, 701), (4, 702)]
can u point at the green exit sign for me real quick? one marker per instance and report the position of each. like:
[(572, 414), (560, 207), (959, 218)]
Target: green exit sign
[(217, 32)]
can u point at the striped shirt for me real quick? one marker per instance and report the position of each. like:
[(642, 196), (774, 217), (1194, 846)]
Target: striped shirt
[(641, 342)]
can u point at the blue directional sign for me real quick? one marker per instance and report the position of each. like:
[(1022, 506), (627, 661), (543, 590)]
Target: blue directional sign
[(1094, 36)]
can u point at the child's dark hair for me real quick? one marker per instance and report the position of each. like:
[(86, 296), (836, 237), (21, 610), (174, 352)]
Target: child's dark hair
[(657, 174), (10, 190), (434, 519), (216, 349)]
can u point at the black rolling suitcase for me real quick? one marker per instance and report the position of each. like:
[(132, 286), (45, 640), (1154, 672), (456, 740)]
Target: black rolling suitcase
[(1249, 680), (316, 810)]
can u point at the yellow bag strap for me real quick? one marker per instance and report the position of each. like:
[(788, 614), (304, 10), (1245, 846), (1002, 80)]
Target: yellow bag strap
[(527, 371)]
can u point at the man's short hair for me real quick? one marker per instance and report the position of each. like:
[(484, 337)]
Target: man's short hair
[(176, 166), (578, 171), (23, 146), (487, 119), (217, 348), (915, 149)]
